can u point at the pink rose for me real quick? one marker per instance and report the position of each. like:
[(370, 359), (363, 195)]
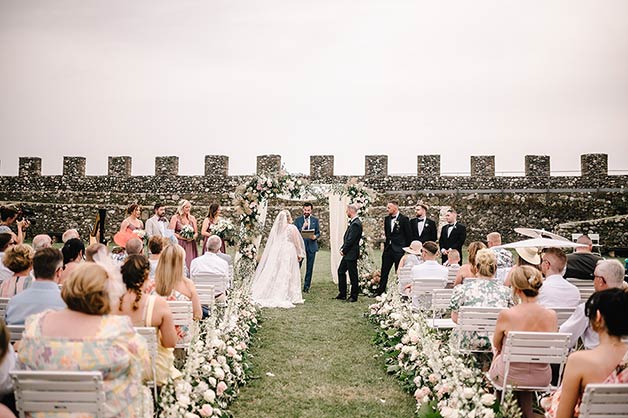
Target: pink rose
[(207, 410), (220, 388)]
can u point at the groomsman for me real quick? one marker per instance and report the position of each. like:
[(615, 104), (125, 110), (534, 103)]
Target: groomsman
[(398, 236), (307, 222), (350, 252), (452, 235), (422, 228), (158, 223)]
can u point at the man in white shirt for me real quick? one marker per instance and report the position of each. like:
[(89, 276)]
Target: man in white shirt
[(429, 269), (608, 274), (210, 262), (556, 292)]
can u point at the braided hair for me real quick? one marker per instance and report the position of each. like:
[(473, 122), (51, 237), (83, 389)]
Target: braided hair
[(134, 273)]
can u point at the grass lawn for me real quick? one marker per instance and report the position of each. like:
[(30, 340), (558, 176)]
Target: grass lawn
[(322, 359)]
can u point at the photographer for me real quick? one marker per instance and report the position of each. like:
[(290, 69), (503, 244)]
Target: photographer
[(9, 215)]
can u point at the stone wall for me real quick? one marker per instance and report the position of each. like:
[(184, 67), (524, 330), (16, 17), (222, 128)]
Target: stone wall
[(484, 201)]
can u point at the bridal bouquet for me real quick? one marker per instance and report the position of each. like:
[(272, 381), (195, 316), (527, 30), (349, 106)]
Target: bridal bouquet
[(141, 234), (187, 232), (225, 229)]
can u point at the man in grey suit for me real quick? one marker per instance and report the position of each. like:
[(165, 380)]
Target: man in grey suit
[(350, 252)]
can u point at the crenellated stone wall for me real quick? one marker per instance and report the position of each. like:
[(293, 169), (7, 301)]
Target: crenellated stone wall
[(485, 202)]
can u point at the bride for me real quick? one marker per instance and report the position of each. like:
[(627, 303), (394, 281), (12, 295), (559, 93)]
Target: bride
[(277, 281)]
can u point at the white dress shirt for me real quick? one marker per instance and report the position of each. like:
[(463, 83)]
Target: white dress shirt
[(578, 325), (209, 263), (557, 292), (429, 269)]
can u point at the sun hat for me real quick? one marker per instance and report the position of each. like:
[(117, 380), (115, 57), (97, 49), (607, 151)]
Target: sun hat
[(414, 248), (531, 255)]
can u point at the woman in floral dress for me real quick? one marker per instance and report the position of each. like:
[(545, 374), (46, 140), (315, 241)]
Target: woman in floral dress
[(179, 221)]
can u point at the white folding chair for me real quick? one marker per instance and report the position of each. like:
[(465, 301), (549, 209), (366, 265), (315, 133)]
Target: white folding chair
[(16, 332), (605, 401), (563, 313), (533, 347), (451, 275), (584, 286), (182, 316), (404, 278), (219, 281), (422, 290), (3, 307), (206, 295), (440, 303), (476, 319), (150, 335), (59, 391)]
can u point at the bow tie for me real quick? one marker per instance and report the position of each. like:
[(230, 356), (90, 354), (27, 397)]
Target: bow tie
[(421, 219), (162, 219), (306, 218), (451, 225)]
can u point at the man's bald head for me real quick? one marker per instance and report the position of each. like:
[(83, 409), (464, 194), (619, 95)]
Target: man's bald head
[(585, 240)]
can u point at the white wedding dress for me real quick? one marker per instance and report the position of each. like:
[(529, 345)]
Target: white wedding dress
[(277, 281)]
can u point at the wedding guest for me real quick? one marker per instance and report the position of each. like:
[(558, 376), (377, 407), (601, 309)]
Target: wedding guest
[(73, 251), (9, 215), (179, 221), (70, 234), (526, 315), (157, 224), (556, 291), (581, 263), (412, 256), (430, 267), (308, 222), (481, 292), (43, 293), (452, 235), (171, 284), (86, 336), (94, 251), (210, 263), (7, 364), (422, 228), (525, 257), (607, 363), (41, 241), (453, 259), (6, 241), (469, 270), (149, 311), (155, 247), (504, 257), (213, 214), (134, 246), (397, 235), (18, 259), (132, 221), (609, 274)]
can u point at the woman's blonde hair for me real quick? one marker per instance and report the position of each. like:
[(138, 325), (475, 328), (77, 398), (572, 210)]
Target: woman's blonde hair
[(182, 203), (169, 269), (19, 257), (527, 279), (486, 263), (91, 289)]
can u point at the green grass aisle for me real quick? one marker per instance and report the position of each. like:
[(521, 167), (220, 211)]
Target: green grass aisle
[(322, 361)]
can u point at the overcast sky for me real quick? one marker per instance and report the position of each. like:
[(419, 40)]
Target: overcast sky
[(302, 77)]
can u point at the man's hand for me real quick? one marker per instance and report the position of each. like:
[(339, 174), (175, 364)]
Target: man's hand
[(23, 224)]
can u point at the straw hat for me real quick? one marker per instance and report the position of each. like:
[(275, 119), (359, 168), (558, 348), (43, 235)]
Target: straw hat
[(531, 255), (414, 248)]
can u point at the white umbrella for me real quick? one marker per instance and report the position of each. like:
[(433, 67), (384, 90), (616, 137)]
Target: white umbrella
[(541, 243), (539, 233)]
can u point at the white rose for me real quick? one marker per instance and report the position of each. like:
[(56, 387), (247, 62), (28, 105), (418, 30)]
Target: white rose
[(209, 396), (191, 415), (468, 393), (219, 373), (488, 399), (212, 381)]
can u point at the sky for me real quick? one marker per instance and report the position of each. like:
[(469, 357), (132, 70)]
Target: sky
[(299, 77)]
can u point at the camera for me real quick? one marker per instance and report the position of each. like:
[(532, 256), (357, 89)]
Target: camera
[(26, 213)]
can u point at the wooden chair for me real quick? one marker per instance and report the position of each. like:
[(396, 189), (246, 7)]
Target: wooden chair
[(478, 319), (206, 295), (440, 304), (584, 286), (605, 401), (422, 290), (533, 347), (16, 332), (182, 316), (563, 313), (3, 307), (150, 335), (59, 391)]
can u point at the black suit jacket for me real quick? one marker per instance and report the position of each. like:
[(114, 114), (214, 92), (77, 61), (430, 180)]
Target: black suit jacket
[(455, 240), (429, 230), (351, 242), (399, 236)]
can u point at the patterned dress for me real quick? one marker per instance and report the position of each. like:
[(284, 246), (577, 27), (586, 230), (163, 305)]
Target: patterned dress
[(480, 292), (116, 350)]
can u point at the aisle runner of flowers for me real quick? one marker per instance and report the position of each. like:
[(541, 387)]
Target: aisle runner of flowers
[(444, 383)]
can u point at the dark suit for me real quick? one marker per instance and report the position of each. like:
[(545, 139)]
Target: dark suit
[(429, 230), (454, 241), (311, 247), (396, 239), (349, 263)]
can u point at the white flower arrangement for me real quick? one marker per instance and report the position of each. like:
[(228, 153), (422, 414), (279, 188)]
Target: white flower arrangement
[(224, 228), (187, 232)]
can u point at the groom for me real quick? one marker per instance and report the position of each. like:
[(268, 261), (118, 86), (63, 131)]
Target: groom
[(307, 222), (350, 252)]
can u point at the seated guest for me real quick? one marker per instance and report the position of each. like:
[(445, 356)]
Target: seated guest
[(607, 363), (73, 251), (94, 251), (581, 263), (18, 259), (134, 246), (412, 256), (70, 234), (171, 283), (6, 241), (609, 274), (155, 246), (149, 311), (41, 241), (481, 292), (43, 293), (210, 263), (556, 291), (7, 364), (430, 267), (527, 315), (526, 257), (504, 257), (468, 269), (453, 259), (87, 337)]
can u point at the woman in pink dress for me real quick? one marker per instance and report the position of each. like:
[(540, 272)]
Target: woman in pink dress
[(212, 217), (607, 363), (178, 222), (132, 221)]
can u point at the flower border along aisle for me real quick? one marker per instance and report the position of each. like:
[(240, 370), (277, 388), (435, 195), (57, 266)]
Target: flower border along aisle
[(445, 384)]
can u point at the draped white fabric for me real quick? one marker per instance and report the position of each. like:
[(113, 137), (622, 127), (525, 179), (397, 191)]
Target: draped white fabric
[(337, 226)]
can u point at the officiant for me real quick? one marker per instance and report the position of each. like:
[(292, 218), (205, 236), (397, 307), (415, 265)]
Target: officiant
[(308, 225)]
